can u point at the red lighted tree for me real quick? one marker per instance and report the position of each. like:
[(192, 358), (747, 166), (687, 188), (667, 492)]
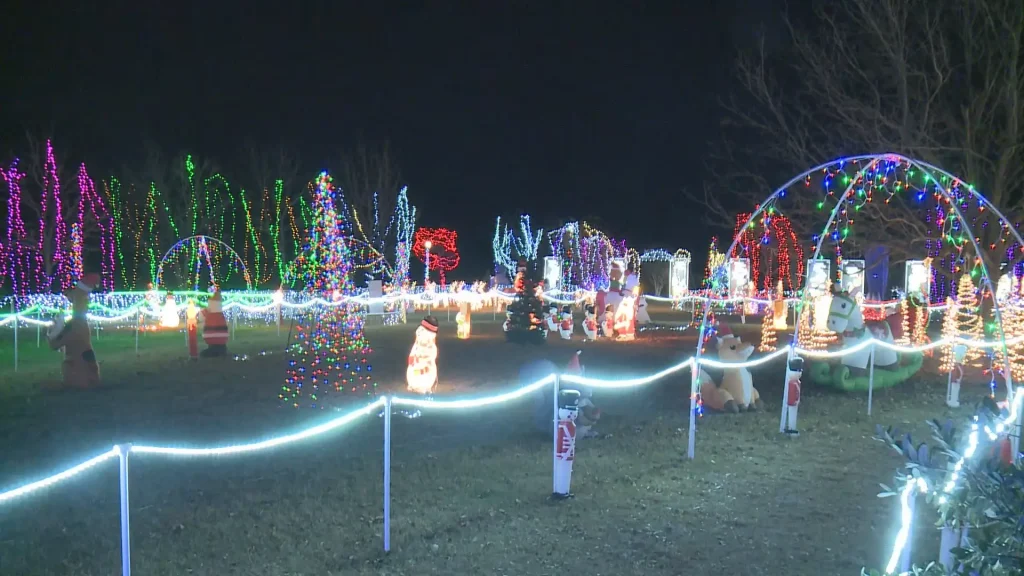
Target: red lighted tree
[(439, 243)]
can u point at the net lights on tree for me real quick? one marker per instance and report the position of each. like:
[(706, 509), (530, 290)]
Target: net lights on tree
[(437, 249), (770, 232)]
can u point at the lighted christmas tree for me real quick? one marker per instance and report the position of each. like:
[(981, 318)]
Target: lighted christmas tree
[(948, 334), (1013, 326), (968, 317), (716, 275), (805, 330), (526, 312), (769, 339), (327, 354)]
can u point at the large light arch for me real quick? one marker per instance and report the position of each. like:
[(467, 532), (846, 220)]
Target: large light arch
[(869, 160)]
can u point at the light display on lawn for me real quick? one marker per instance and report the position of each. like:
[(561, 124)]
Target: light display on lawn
[(328, 353), (772, 247), (716, 274), (963, 320)]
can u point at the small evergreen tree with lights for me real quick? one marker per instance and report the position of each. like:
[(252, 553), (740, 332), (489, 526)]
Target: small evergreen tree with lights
[(526, 312)]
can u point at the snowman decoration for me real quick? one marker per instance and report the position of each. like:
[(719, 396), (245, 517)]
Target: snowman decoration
[(421, 374)]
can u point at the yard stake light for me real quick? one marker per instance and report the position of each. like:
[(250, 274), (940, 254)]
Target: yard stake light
[(126, 553)]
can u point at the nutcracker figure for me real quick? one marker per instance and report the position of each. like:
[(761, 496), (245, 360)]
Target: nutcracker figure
[(566, 327), (590, 324), (214, 327), (421, 374), (565, 443), (608, 322), (794, 371)]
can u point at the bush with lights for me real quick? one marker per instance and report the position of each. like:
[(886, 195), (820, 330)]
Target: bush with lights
[(525, 313), (987, 500)]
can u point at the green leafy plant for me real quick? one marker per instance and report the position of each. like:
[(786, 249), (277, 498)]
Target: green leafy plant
[(988, 497)]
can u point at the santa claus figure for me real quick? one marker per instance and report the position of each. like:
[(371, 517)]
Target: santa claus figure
[(590, 324), (421, 375), (625, 319), (80, 368), (214, 327), (565, 326)]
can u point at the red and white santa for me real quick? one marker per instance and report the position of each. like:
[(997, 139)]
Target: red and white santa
[(214, 327)]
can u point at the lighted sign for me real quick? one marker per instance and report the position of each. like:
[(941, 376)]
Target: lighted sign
[(818, 273), (919, 276), (679, 276), (853, 278), (739, 276), (552, 273)]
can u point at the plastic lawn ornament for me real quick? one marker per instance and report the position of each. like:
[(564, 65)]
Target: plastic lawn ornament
[(192, 327), (421, 373), (169, 314), (463, 320)]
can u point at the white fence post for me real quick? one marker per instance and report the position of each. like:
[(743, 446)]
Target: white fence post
[(387, 473), (785, 392), (871, 376), (126, 553), (691, 444)]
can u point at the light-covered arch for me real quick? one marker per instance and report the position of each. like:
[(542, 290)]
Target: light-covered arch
[(870, 161)]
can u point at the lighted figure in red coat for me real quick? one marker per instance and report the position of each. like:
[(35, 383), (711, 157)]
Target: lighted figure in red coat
[(214, 327), (79, 369)]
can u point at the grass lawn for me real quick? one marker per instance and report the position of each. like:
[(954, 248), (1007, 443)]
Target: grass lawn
[(469, 489)]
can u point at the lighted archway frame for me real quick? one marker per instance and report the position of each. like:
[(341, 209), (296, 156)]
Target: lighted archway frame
[(201, 241), (869, 161)]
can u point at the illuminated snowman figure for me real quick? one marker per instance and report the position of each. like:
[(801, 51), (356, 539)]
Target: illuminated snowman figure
[(169, 314), (421, 374)]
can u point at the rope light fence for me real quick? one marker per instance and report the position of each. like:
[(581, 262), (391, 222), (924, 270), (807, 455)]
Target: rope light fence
[(900, 547)]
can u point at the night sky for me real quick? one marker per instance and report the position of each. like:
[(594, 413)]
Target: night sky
[(563, 110)]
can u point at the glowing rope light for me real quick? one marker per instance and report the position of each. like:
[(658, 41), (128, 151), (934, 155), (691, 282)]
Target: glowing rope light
[(58, 477)]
